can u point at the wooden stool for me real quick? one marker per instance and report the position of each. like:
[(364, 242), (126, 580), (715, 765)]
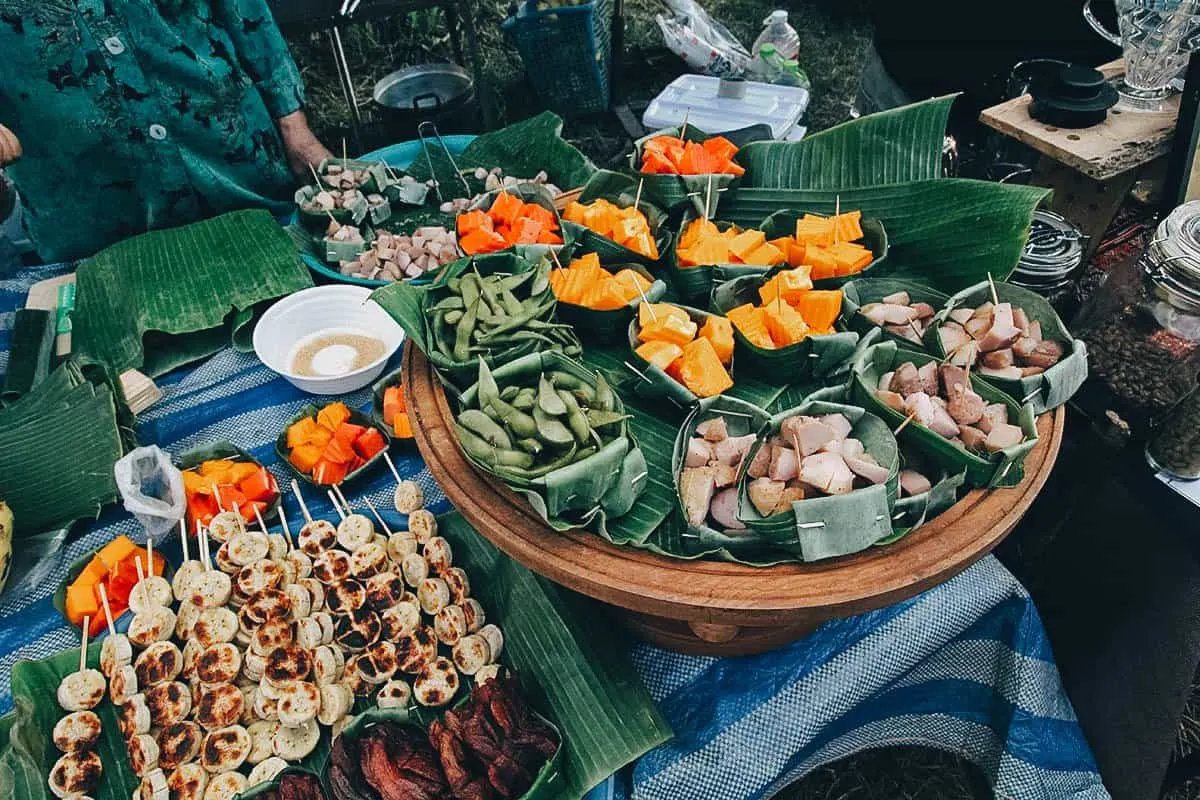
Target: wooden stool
[(1091, 170)]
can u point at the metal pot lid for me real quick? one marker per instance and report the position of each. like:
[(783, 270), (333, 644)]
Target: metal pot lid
[(1054, 248), (423, 87)]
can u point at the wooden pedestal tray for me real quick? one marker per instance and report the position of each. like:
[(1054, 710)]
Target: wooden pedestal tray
[(709, 607)]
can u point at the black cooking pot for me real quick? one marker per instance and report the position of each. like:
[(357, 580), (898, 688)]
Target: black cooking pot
[(443, 94)]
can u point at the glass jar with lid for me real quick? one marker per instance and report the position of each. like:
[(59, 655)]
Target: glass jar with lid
[(1051, 262), (1142, 328)]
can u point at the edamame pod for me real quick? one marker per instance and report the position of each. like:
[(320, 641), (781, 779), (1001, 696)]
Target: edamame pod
[(550, 430), (548, 400), (576, 420), (606, 399), (517, 421), (525, 400), (463, 331), (485, 427)]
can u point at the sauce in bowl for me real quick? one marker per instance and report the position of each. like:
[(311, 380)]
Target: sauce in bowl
[(333, 352)]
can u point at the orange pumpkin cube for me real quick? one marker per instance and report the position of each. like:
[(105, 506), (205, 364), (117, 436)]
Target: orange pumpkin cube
[(701, 371), (719, 331)]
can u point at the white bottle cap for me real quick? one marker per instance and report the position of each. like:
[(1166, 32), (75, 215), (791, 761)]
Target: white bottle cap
[(778, 16)]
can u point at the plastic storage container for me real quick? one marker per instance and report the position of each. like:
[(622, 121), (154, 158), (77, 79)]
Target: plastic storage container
[(695, 97), (1142, 329), (567, 54), (1051, 261)]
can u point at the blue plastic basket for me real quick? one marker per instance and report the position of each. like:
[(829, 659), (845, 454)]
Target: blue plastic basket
[(567, 54)]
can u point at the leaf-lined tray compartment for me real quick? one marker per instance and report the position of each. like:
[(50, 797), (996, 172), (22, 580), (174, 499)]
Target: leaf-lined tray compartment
[(357, 418)]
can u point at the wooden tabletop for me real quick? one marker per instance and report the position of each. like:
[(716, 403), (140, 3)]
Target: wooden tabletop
[(1124, 141), (712, 592)]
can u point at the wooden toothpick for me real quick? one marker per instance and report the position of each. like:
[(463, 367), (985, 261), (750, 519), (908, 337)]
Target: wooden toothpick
[(904, 424), (287, 534), (217, 496), (300, 498), (87, 623), (316, 177), (392, 465), (150, 555), (261, 523), (637, 200), (108, 617), (346, 503), (708, 198), (183, 536), (995, 297), (378, 516), (333, 499), (646, 300), (683, 129)]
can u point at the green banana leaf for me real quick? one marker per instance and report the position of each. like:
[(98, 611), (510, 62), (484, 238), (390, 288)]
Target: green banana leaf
[(31, 352), (60, 443), (825, 527), (895, 146), (1002, 469), (531, 193), (741, 419), (227, 451), (913, 511), (412, 305), (574, 666), (521, 150), (702, 192), (813, 356), (947, 233), (652, 382), (166, 298), (581, 493), (783, 223), (622, 191), (357, 418), (611, 325), (1046, 391)]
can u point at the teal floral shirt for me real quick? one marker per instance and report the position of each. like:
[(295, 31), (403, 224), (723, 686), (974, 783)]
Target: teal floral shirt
[(142, 114)]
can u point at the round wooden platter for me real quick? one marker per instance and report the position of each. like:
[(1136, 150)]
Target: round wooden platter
[(711, 607)]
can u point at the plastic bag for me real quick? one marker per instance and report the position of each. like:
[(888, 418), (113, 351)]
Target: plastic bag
[(704, 43), (152, 489)]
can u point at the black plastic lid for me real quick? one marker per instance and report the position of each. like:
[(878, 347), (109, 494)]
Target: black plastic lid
[(1074, 96)]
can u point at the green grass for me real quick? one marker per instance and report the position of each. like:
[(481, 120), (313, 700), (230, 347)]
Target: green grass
[(833, 39)]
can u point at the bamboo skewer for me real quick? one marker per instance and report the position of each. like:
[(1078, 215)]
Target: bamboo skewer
[(108, 617), (217, 497), (141, 573), (287, 533), (261, 523), (238, 512), (345, 503), (995, 297), (378, 516), (637, 200), (392, 467), (205, 556), (300, 498), (183, 537), (332, 499), (150, 555), (87, 623), (904, 424)]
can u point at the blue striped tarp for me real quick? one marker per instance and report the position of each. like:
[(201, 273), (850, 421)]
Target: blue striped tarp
[(964, 667)]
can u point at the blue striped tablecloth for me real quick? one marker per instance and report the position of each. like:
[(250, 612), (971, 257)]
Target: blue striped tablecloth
[(965, 667)]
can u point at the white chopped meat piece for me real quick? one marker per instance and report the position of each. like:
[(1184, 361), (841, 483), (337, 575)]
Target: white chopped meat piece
[(913, 483), (764, 494), (1003, 436), (724, 509), (827, 472), (784, 463)]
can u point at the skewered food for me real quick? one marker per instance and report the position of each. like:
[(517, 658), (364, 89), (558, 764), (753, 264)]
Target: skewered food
[(697, 357), (143, 753), (336, 702), (225, 786), (77, 731), (266, 770), (158, 663), (225, 749), (1000, 339), (122, 685), (187, 781), (394, 257), (472, 653), (394, 694), (628, 226), (133, 717), (113, 570), (316, 537), (169, 703), (416, 649), (671, 155), (355, 531), (211, 589), (153, 625), (115, 652), (900, 316), (436, 683), (460, 585), (408, 499), (75, 774), (82, 690), (179, 744), (942, 400), (434, 595), (294, 744), (298, 703), (422, 524), (220, 705), (368, 560), (510, 221)]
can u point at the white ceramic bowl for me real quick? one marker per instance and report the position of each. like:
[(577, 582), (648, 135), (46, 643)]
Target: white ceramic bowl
[(333, 307)]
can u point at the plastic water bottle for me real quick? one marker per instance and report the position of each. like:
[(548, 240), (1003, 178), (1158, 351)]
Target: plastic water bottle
[(779, 33)]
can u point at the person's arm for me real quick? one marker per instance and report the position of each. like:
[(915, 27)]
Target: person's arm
[(262, 51)]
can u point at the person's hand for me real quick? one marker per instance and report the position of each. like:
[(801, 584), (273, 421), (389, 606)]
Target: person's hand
[(300, 144), (10, 147)]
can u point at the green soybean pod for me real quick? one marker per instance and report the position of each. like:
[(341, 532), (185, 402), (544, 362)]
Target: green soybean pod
[(469, 289), (507, 394), (510, 301), (485, 428), (525, 400), (576, 420), (520, 423), (463, 331), (550, 430), (451, 303), (452, 317), (606, 399), (548, 400), (474, 446), (530, 445)]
